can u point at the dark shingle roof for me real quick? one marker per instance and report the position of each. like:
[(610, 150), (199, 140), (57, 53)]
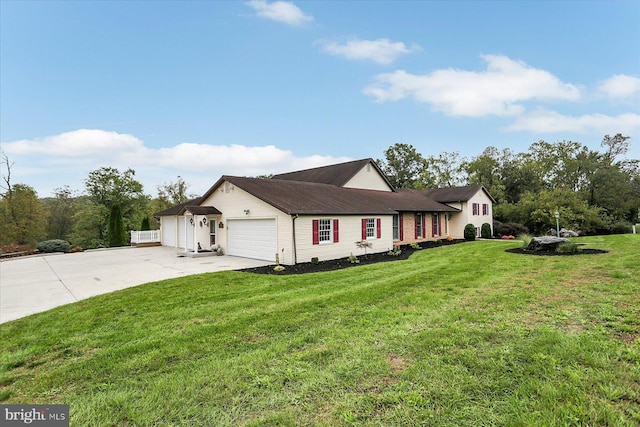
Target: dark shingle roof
[(297, 197), (202, 210), (178, 209), (455, 194), (337, 175)]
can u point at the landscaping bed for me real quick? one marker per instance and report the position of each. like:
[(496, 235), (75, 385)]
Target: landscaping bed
[(555, 253), (338, 264)]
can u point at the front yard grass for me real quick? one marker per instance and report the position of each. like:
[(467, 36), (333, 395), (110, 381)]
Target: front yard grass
[(458, 335)]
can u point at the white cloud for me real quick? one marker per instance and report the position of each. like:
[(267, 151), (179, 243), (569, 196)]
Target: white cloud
[(621, 87), (66, 159), (498, 90), (382, 51), (281, 11), (546, 121), (79, 143)]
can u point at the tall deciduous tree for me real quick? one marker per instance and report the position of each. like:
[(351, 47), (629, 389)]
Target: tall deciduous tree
[(105, 188), (402, 165), (23, 218), (62, 209)]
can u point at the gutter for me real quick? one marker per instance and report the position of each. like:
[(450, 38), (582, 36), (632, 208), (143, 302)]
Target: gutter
[(295, 250)]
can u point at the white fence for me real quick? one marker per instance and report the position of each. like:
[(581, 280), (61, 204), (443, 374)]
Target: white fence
[(147, 236)]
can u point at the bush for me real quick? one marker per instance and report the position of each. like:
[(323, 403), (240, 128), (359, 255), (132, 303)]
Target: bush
[(621, 227), (55, 245), (568, 248), (469, 232), (485, 231), (509, 228), (314, 260)]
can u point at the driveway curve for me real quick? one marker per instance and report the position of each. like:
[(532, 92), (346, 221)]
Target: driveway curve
[(34, 284)]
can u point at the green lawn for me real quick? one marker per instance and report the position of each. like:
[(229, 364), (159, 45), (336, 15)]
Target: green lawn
[(458, 335)]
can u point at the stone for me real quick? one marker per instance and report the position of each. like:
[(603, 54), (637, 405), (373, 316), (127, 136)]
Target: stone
[(567, 233), (546, 243)]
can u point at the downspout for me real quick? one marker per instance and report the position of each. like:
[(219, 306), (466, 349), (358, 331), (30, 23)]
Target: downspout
[(295, 250)]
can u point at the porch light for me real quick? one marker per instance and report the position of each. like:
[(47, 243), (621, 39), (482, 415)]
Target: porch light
[(204, 221)]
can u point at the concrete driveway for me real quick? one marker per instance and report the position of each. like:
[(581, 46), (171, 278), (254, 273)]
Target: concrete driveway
[(38, 283)]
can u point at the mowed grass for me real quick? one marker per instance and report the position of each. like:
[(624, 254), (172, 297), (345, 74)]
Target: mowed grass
[(458, 335)]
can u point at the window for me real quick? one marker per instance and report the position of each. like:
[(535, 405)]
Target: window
[(325, 231), (212, 231), (371, 228), (435, 224), (419, 220), (485, 209), (396, 227), (476, 209)]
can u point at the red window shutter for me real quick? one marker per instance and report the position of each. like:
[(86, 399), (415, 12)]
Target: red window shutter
[(400, 226), (336, 234), (364, 229), (378, 228), (316, 231)]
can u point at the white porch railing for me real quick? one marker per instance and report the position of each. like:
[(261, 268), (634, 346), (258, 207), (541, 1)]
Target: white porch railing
[(147, 236)]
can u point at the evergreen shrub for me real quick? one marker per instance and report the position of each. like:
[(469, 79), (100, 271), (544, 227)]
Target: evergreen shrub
[(469, 232), (55, 245)]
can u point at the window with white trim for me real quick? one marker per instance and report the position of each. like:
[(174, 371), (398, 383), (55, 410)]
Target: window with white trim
[(419, 231), (325, 234), (485, 209), (476, 209), (371, 228)]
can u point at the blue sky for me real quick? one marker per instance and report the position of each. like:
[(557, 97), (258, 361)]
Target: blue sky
[(199, 89)]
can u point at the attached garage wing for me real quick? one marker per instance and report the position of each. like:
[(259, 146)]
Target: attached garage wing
[(252, 238)]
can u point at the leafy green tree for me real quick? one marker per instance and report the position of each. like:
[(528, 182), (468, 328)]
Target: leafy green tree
[(117, 234), (402, 165), (486, 169), (61, 210), (105, 188), (171, 194), (23, 218), (445, 170), (537, 212)]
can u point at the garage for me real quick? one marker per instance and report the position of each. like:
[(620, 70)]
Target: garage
[(252, 238)]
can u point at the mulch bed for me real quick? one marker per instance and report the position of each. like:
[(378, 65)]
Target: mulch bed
[(554, 253), (338, 264)]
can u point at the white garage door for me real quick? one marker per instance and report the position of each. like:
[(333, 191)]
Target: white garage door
[(252, 238), (168, 224)]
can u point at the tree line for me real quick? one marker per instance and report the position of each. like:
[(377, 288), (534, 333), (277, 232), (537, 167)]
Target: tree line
[(595, 191), (112, 203)]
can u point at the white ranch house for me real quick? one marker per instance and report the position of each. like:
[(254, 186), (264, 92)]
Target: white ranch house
[(320, 212)]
